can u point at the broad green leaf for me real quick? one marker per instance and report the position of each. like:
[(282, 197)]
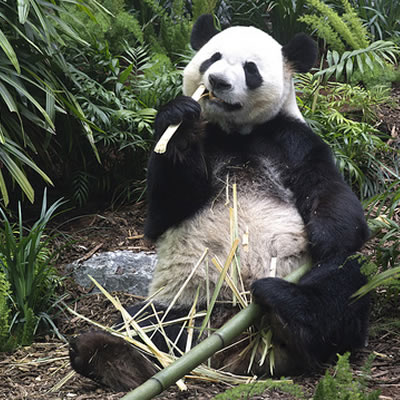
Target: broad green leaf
[(23, 10), (17, 30), (21, 89), (42, 19), (9, 51), (2, 134), (336, 56), (382, 278), (13, 149), (18, 175), (3, 190), (339, 69), (86, 127), (125, 74), (349, 68), (369, 62), (329, 58), (360, 63), (50, 104), (8, 98)]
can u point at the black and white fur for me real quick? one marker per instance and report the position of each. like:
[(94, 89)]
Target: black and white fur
[(292, 203)]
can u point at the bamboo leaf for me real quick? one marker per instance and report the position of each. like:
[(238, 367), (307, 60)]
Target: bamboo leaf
[(23, 10), (17, 175), (15, 83), (381, 279), (13, 149), (8, 98), (9, 51), (3, 190), (349, 68), (125, 74)]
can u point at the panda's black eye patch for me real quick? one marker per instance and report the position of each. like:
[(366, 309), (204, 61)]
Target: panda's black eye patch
[(252, 74), (207, 64)]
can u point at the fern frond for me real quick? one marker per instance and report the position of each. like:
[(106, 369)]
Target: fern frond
[(359, 32), (324, 31), (335, 21), (376, 53)]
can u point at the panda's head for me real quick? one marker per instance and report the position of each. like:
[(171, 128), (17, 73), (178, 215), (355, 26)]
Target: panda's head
[(247, 73)]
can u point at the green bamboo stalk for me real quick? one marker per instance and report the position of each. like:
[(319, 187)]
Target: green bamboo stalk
[(204, 350)]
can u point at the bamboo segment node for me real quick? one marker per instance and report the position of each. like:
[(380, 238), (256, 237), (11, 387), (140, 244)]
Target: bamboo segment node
[(161, 146)]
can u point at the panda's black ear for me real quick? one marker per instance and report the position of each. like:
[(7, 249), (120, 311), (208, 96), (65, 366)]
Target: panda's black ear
[(301, 52), (203, 30)]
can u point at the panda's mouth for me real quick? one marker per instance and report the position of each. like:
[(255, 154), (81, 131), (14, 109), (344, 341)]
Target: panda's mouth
[(211, 97)]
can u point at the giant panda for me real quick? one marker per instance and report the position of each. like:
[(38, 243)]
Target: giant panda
[(292, 205)]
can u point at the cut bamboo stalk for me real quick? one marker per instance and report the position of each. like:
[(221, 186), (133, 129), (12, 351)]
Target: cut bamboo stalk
[(200, 353), (161, 146)]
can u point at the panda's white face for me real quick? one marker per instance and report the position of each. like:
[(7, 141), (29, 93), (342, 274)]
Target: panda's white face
[(245, 74)]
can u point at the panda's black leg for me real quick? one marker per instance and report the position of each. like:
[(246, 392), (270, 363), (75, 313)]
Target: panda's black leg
[(109, 360), (317, 318), (113, 362)]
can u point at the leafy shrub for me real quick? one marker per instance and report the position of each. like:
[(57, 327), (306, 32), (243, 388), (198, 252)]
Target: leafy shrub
[(377, 59), (382, 17), (339, 31), (27, 278), (118, 100), (5, 338), (32, 92), (279, 18), (115, 24), (246, 391), (341, 385), (343, 115)]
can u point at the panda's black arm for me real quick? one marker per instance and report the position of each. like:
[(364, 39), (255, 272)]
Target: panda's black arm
[(178, 180), (319, 312), (333, 215)]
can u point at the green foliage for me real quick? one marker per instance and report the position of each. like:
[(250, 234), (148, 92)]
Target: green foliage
[(382, 17), (353, 64), (377, 76), (166, 25), (116, 26), (200, 7), (344, 30), (279, 18), (324, 31), (5, 339), (385, 231), (114, 92), (31, 91), (26, 265), (246, 391), (343, 115), (341, 385)]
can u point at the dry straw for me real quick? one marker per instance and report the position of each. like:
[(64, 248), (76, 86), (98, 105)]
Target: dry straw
[(189, 365)]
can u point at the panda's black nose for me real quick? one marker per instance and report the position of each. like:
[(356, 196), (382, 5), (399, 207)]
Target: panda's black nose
[(218, 83)]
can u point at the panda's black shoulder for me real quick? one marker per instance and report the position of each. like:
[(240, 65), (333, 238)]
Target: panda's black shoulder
[(284, 138)]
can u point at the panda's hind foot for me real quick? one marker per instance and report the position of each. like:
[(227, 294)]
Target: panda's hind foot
[(109, 360)]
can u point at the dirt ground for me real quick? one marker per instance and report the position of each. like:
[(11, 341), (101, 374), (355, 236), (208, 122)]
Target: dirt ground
[(42, 371)]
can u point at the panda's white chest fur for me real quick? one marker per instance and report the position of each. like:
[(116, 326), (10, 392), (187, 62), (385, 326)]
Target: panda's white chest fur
[(268, 226)]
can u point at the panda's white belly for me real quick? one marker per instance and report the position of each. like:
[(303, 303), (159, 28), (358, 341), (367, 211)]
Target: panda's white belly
[(267, 227)]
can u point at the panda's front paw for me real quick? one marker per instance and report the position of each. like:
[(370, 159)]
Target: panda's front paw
[(294, 322), (186, 111), (182, 110), (283, 298)]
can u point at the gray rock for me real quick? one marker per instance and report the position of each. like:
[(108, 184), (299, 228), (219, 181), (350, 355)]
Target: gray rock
[(123, 271)]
